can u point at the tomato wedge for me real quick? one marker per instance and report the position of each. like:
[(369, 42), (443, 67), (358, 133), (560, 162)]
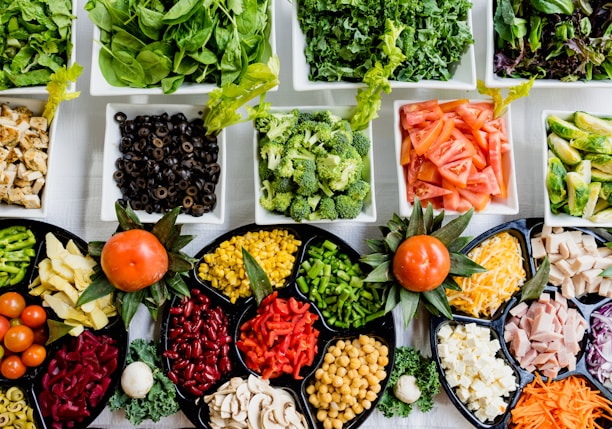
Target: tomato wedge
[(496, 163), (456, 147), (424, 191), (415, 113), (429, 173), (423, 138), (405, 150), (478, 200), (483, 181), (457, 172), (452, 200), (475, 115)]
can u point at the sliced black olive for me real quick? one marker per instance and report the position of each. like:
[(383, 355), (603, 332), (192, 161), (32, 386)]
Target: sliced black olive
[(161, 192), (187, 202), (120, 117)]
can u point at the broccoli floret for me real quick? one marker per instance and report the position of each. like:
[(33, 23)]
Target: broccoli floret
[(267, 196), (339, 143), (345, 127), (349, 171), (325, 210), (358, 190), (347, 207), (264, 172), (322, 133), (300, 153), (304, 117), (282, 201), (272, 152), (361, 143), (327, 166), (284, 168), (299, 209), (277, 126), (327, 117), (313, 200), (283, 184), (305, 177)]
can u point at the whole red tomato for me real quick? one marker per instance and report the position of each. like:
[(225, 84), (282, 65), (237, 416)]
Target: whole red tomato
[(11, 304), (421, 263), (12, 367), (4, 326), (18, 338), (34, 316), (133, 260), (34, 355)]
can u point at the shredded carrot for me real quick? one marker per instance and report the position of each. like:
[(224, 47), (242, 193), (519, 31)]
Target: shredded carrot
[(569, 403)]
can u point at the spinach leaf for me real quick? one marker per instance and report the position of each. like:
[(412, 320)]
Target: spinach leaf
[(210, 41)]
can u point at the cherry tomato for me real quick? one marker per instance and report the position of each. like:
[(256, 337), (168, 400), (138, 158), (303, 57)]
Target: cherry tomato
[(421, 263), (133, 260), (34, 316), (18, 338), (11, 304), (34, 355), (12, 367), (4, 326)]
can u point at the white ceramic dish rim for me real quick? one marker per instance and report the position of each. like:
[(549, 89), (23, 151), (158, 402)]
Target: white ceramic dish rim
[(98, 86), (367, 215), (494, 81), (562, 219), (17, 211), (466, 67), (497, 206), (42, 89), (112, 135)]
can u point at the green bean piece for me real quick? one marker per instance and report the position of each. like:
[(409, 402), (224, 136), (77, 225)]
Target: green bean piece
[(335, 285), (16, 253)]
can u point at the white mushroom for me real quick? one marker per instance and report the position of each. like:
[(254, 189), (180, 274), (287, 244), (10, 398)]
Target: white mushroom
[(137, 379), (406, 389)]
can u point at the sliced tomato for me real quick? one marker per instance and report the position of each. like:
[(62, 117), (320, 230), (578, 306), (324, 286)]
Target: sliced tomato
[(452, 200), (499, 125), (414, 113), (423, 138), (478, 200), (480, 138), (456, 147), (429, 173), (479, 160), (457, 172), (475, 115), (460, 124), (483, 181), (451, 106), (496, 163), (405, 150), (413, 167), (424, 191)]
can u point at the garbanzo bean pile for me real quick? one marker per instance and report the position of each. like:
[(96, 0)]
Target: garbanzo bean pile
[(274, 250), (348, 381)]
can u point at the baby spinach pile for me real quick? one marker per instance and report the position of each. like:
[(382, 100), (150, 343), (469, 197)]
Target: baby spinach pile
[(35, 41), (343, 38), (164, 43), (553, 39)]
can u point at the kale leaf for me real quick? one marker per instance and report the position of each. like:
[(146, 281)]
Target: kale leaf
[(343, 38), (410, 361), (161, 399)]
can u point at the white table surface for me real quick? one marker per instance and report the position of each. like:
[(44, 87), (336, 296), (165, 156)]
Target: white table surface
[(75, 190)]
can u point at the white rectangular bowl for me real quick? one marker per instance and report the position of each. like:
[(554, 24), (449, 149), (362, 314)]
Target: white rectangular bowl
[(562, 219), (368, 213), (112, 136), (17, 211), (494, 81), (497, 206), (42, 89), (464, 77), (98, 86)]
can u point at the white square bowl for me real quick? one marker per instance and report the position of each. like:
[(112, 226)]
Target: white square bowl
[(464, 77), (497, 206), (111, 192), (562, 219), (42, 89), (98, 86), (492, 80), (368, 213), (16, 211)]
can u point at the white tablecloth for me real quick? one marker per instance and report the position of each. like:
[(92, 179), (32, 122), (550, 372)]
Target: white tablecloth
[(75, 192)]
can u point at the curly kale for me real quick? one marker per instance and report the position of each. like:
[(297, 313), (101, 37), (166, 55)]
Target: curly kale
[(161, 399), (410, 361)]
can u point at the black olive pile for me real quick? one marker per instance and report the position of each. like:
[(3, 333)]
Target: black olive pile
[(167, 161)]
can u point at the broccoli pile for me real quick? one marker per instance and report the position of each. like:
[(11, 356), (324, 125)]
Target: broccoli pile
[(311, 165)]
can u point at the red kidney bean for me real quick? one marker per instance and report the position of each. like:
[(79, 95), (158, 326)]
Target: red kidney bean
[(198, 342)]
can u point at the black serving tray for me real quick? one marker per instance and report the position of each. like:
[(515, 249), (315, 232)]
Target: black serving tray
[(524, 230), (31, 382), (382, 329)]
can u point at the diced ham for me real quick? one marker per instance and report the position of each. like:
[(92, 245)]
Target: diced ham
[(520, 344), (538, 251), (519, 310)]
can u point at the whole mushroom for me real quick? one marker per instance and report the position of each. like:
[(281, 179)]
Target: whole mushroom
[(137, 380), (406, 389)]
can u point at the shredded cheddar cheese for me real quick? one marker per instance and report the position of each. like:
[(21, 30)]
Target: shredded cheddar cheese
[(483, 293)]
